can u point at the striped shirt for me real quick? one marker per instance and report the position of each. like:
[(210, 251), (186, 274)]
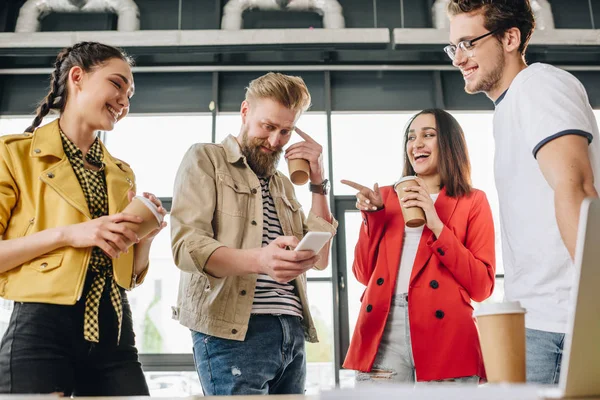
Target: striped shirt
[(271, 297)]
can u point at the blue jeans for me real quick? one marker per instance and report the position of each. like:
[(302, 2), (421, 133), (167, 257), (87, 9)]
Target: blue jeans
[(544, 356), (271, 360)]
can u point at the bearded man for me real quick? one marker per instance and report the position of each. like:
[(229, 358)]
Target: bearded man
[(234, 219)]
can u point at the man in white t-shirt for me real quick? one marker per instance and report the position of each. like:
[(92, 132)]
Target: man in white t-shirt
[(547, 153)]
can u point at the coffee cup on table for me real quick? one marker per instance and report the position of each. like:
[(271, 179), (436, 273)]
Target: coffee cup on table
[(502, 339), (413, 216), (299, 171), (142, 207)]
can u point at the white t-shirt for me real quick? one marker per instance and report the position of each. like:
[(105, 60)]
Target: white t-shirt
[(410, 245), (541, 104)]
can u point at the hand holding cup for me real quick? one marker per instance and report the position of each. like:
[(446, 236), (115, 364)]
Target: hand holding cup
[(305, 160), (150, 209)]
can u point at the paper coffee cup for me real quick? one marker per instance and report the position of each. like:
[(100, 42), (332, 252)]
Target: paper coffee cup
[(147, 210), (413, 216), (502, 339), (299, 170)]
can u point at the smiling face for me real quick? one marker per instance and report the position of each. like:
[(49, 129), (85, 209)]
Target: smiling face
[(267, 126), (102, 95), (422, 145), (483, 66)]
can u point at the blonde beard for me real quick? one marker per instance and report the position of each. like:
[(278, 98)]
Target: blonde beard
[(261, 163)]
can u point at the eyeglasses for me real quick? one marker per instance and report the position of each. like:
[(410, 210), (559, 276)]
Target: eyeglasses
[(466, 46)]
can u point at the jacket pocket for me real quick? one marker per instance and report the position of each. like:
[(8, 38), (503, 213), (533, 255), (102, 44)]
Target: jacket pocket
[(233, 197), (362, 296), (46, 263), (465, 296), (294, 215)]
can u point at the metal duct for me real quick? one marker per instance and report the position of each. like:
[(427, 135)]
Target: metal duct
[(330, 10), (543, 14), (541, 10), (439, 14), (33, 11)]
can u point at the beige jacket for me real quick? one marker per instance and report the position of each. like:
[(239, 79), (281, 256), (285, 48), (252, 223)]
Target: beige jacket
[(217, 202)]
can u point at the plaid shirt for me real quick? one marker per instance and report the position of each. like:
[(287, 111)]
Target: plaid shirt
[(93, 184)]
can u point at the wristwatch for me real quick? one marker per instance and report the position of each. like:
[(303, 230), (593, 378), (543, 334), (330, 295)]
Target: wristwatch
[(322, 188)]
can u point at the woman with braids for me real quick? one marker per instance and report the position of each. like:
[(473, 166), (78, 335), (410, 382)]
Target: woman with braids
[(65, 257)]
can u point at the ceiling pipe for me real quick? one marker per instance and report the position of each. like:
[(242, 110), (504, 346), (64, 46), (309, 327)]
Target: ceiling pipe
[(33, 11), (330, 10)]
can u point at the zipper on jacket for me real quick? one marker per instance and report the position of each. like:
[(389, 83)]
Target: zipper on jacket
[(31, 221)]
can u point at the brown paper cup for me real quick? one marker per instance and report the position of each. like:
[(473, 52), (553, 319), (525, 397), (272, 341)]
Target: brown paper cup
[(142, 207), (299, 170), (413, 216), (502, 339)]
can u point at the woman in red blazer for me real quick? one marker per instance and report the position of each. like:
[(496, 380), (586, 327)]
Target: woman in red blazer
[(426, 275)]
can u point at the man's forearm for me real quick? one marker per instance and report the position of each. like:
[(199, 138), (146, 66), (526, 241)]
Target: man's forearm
[(320, 207), (568, 203), (232, 262)]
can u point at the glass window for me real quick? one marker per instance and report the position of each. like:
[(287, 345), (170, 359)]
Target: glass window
[(155, 145), (13, 125), (478, 129), (151, 302), (353, 221), (320, 367), (367, 148)]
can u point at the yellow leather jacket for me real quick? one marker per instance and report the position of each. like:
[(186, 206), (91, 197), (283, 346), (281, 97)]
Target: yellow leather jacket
[(38, 191)]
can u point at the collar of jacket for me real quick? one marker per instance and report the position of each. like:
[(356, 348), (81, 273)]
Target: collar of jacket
[(59, 175), (47, 142), (233, 152)]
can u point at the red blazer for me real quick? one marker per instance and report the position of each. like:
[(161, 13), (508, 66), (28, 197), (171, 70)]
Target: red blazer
[(447, 274)]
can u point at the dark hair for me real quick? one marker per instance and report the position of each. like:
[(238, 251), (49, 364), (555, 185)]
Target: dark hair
[(87, 55), (501, 15), (454, 166)]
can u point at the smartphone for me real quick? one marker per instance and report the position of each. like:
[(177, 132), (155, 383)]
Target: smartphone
[(313, 241)]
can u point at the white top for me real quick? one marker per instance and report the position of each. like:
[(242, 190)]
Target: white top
[(542, 104), (412, 237)]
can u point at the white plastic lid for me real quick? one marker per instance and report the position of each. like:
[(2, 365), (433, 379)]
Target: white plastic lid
[(152, 208), (507, 307), (405, 178)]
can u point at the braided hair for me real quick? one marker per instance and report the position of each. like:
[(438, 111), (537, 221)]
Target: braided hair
[(87, 55)]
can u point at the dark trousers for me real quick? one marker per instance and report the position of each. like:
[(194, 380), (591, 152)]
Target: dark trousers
[(43, 351)]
